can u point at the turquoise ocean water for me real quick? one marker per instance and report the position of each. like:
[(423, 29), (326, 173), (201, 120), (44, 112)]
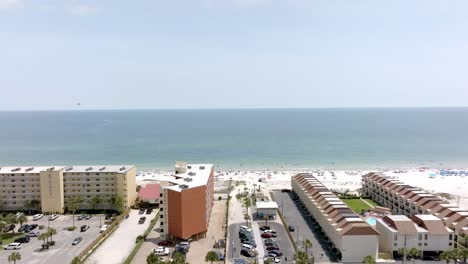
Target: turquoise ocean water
[(238, 139)]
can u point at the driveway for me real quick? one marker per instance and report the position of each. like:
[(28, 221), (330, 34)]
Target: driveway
[(304, 227), (121, 242)]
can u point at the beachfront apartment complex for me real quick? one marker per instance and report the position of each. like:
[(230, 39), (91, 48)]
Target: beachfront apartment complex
[(426, 233), (348, 233), (186, 202), (408, 200), (49, 188)]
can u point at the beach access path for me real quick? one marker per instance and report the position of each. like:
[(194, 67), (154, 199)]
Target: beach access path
[(120, 243)]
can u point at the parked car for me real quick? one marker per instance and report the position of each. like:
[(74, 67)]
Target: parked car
[(77, 240), (19, 214), (161, 251), (87, 217), (271, 243), (272, 247), (291, 228), (247, 253), (141, 211), (53, 217), (249, 242), (265, 227), (34, 234), (269, 231), (246, 228), (274, 260), (24, 239), (8, 228), (142, 220), (37, 217), (267, 235), (220, 244), (12, 246), (247, 246), (103, 228), (182, 248), (149, 211), (23, 228), (32, 227), (166, 243), (81, 217), (274, 253), (220, 255), (108, 216), (83, 228)]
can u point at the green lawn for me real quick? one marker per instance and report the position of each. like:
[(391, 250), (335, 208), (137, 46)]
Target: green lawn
[(356, 205), (372, 202)]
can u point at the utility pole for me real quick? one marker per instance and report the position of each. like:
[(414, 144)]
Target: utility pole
[(282, 207)]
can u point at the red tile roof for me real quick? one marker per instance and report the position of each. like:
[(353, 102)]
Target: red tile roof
[(149, 192)]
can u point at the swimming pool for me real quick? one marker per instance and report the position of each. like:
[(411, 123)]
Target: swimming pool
[(371, 221)]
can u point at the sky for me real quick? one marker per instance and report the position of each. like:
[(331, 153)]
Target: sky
[(173, 54)]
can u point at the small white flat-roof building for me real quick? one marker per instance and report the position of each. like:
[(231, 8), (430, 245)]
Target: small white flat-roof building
[(426, 233), (267, 209)]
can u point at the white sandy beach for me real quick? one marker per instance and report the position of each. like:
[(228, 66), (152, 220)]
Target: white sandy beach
[(429, 180)]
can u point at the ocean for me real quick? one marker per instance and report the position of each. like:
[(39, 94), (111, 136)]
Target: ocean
[(272, 139)]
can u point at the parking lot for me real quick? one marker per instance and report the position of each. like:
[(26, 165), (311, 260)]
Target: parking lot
[(282, 240), (294, 215), (63, 251)]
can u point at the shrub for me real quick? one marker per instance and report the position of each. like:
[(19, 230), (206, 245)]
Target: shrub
[(139, 238), (41, 227), (71, 228)]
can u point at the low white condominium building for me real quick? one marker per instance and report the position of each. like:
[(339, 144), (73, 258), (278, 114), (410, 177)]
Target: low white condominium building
[(426, 233), (47, 189), (409, 200), (351, 236)]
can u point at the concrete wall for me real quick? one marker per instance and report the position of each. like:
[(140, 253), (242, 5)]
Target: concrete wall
[(52, 194), (186, 212), (355, 248)]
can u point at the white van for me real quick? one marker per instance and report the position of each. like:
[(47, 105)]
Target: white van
[(12, 246)]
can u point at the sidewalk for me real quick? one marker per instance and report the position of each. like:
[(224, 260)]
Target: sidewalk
[(151, 242)]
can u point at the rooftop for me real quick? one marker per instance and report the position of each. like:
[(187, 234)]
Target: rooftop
[(267, 205), (196, 175), (70, 169)]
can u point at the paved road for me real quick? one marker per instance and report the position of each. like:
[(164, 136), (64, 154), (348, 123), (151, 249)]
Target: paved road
[(304, 228), (121, 242)]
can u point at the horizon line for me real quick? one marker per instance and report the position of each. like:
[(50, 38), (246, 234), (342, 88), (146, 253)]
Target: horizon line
[(233, 108)]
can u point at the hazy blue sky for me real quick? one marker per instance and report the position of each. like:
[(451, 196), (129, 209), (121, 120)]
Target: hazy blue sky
[(232, 53)]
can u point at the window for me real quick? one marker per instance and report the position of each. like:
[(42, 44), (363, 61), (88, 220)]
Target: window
[(425, 244), (161, 209), (420, 237), (162, 230), (395, 244), (162, 223), (450, 237), (419, 244), (161, 216), (425, 236), (160, 202), (450, 244)]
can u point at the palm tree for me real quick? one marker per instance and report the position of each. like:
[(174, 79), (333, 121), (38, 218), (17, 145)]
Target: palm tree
[(307, 245), (51, 232), (95, 201), (445, 256), (414, 253), (72, 204), (211, 256), (464, 255), (76, 260), (32, 205), (247, 218), (15, 256), (178, 258), (43, 237), (455, 254), (22, 219), (153, 259), (301, 257), (368, 260), (117, 203)]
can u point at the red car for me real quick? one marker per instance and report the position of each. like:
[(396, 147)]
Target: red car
[(270, 248), (165, 243), (267, 235)]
